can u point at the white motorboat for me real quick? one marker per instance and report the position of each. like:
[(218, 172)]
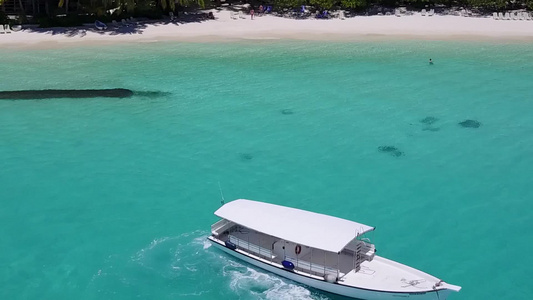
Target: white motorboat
[(320, 251)]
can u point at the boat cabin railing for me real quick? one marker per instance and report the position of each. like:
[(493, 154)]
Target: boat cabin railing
[(221, 226), (312, 268), (299, 264), (255, 249)]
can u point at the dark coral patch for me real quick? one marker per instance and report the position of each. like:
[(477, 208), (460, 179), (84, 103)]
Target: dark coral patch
[(428, 120), (246, 156), (387, 148), (390, 150), (78, 94), (470, 124), (287, 112), (151, 94), (431, 129), (51, 94)]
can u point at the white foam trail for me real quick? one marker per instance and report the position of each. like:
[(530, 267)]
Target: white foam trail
[(247, 282), (186, 257), (207, 244), (183, 260), (175, 254)]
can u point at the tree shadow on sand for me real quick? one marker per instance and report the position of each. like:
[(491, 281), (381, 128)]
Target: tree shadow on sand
[(130, 27)]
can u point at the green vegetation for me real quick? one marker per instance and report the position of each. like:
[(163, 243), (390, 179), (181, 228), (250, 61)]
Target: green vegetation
[(358, 5), (51, 13)]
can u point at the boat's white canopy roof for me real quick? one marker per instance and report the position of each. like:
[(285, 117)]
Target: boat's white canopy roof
[(295, 225)]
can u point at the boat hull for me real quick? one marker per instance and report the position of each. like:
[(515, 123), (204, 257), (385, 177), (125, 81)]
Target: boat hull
[(335, 288)]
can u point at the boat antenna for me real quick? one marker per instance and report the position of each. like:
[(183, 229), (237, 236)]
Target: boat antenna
[(221, 194)]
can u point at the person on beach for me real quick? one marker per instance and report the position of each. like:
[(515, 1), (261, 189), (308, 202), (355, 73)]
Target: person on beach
[(261, 9), (252, 13), (430, 61)]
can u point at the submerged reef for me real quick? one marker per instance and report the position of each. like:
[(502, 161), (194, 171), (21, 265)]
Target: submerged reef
[(52, 94), (151, 94), (287, 112), (246, 156), (390, 150), (78, 94), (470, 124), (429, 120)]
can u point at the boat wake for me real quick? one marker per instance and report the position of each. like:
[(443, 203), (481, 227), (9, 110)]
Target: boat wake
[(175, 256), (178, 265), (249, 283), (187, 266), (187, 258)]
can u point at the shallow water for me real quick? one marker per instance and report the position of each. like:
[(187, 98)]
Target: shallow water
[(113, 198)]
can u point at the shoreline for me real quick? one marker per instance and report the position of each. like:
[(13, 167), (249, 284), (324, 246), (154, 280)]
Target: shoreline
[(265, 28)]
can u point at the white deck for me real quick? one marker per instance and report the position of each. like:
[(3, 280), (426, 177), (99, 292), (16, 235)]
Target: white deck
[(379, 274), (385, 275)]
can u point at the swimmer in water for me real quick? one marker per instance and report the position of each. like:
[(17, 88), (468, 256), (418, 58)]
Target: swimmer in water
[(430, 61)]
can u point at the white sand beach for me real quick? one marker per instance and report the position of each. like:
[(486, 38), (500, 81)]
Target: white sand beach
[(224, 28)]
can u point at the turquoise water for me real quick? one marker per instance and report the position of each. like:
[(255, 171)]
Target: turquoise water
[(113, 198)]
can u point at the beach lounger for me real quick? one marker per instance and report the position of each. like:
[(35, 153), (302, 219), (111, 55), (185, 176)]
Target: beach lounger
[(100, 25), (304, 12), (500, 16), (171, 15), (233, 15), (2, 29), (507, 16), (495, 15), (323, 15), (431, 12), (124, 23), (423, 13), (341, 15), (7, 28), (397, 13), (528, 16), (241, 15)]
